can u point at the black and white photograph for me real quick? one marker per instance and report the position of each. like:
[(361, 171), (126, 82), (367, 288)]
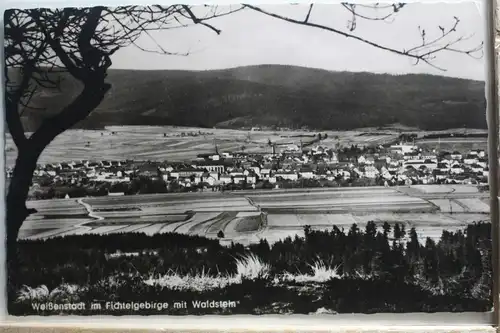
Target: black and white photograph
[(247, 159)]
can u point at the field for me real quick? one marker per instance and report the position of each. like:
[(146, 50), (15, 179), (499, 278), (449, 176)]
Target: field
[(179, 143), (453, 144), (184, 143), (248, 216)]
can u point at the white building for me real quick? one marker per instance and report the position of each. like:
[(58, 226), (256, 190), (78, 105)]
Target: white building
[(265, 173), (210, 181), (287, 175), (477, 168), (226, 179), (456, 170), (371, 172), (306, 173), (212, 167), (403, 148), (252, 179)]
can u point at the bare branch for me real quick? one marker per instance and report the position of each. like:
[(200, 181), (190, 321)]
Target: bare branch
[(309, 13), (196, 20), (385, 16), (323, 27), (421, 53)]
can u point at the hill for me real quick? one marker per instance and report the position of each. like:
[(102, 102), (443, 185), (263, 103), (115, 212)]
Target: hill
[(277, 95)]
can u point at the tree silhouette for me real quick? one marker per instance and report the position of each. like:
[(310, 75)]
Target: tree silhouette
[(397, 231), (40, 43), (387, 229), (431, 261)]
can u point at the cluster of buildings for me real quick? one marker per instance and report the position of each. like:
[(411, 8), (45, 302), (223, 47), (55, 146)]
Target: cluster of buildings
[(400, 164)]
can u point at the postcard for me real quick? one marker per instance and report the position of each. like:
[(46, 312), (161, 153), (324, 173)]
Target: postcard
[(247, 160)]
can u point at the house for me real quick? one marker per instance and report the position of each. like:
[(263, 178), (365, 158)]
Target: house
[(370, 172), (440, 175), (318, 150), (226, 179), (239, 179), (94, 164), (411, 156), (386, 174), (217, 167), (430, 164), (286, 175), (251, 179), (147, 170), (265, 173), (456, 155), (254, 169), (186, 173), (214, 175), (237, 172), (116, 194), (359, 172), (370, 160), (443, 167), (198, 179), (168, 168), (306, 173), (393, 166), (476, 168), (430, 157), (482, 162), (210, 180), (486, 172), (470, 159), (342, 173), (402, 148), (185, 182), (215, 157), (456, 169), (292, 148), (464, 179)]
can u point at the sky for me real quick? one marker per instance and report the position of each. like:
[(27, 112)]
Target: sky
[(251, 38)]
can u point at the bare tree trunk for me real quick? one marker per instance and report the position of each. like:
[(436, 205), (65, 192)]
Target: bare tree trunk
[(29, 152), (16, 210), (18, 192)]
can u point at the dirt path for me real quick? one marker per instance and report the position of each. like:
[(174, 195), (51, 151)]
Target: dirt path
[(89, 210)]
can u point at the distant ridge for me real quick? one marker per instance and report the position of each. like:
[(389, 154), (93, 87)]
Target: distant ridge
[(276, 95)]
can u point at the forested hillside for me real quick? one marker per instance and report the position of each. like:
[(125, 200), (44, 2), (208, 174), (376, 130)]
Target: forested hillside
[(274, 95)]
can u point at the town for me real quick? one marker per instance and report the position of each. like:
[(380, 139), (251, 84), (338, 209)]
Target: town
[(292, 167)]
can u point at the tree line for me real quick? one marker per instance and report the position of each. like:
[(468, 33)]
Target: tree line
[(459, 263)]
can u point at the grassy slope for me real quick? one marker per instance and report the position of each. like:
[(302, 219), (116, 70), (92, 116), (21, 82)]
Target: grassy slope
[(278, 95)]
